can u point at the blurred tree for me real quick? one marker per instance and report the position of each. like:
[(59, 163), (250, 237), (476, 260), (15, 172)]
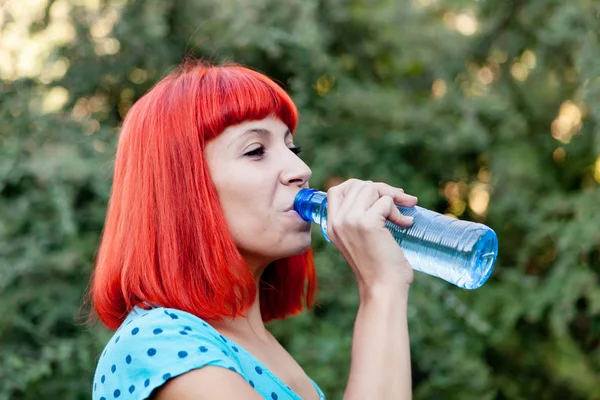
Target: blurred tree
[(487, 110)]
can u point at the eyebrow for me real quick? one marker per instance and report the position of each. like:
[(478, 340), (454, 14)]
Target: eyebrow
[(259, 131)]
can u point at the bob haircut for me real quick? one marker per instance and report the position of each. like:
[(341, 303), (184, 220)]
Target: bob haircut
[(165, 240)]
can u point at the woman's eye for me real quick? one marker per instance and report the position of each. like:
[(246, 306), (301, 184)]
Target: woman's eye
[(259, 151)]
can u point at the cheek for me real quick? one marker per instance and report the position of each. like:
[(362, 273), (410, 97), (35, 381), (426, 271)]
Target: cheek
[(247, 223), (246, 200), (250, 227), (256, 231)]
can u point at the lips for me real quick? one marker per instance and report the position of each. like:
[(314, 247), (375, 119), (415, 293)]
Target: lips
[(290, 208)]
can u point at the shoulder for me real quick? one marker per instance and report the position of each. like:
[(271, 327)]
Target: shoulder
[(157, 323), (208, 383), (153, 346)]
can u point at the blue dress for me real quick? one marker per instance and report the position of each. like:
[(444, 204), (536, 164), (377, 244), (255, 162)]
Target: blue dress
[(152, 346)]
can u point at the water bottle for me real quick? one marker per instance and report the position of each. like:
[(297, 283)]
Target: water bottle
[(460, 252)]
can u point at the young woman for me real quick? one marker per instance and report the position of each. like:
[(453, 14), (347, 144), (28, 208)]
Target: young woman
[(201, 247)]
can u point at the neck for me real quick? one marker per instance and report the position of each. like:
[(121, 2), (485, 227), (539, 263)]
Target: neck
[(251, 325)]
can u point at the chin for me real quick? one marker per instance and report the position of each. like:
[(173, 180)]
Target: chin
[(298, 245), (290, 245)]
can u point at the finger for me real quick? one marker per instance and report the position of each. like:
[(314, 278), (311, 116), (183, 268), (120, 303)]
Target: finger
[(349, 205), (368, 196), (386, 208), (400, 197), (346, 185), (344, 193), (336, 194), (335, 197), (382, 189), (396, 216)]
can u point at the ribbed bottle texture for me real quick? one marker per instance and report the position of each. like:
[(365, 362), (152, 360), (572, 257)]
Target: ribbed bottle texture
[(460, 252)]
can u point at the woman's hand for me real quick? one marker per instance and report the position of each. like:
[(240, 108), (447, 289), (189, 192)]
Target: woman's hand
[(356, 215)]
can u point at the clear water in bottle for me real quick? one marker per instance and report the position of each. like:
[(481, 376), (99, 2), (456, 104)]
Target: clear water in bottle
[(460, 252)]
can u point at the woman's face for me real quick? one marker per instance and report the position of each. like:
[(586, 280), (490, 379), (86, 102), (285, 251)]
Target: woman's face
[(257, 175)]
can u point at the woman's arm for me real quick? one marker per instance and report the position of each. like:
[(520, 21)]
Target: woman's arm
[(357, 214), (380, 367)]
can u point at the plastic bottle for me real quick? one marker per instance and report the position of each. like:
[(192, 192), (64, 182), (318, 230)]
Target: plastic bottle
[(460, 252)]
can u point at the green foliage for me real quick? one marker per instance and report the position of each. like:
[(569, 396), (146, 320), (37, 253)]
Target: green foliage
[(458, 102)]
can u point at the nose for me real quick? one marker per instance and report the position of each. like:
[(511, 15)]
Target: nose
[(295, 171)]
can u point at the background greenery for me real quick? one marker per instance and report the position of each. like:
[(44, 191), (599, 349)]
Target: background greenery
[(488, 110)]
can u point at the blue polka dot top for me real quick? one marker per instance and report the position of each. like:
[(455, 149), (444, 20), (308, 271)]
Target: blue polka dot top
[(152, 346)]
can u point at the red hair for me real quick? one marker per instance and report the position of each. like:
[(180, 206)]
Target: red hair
[(165, 240)]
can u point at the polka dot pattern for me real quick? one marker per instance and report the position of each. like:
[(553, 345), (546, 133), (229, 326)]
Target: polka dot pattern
[(168, 343), (172, 315)]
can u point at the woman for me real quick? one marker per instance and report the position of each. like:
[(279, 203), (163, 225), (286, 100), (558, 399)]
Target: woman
[(201, 247)]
